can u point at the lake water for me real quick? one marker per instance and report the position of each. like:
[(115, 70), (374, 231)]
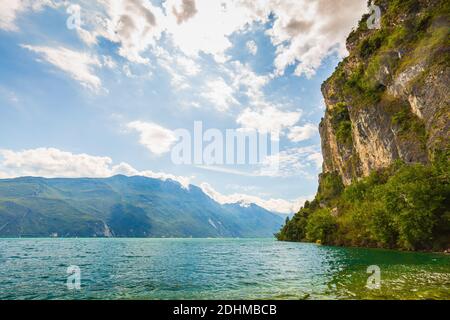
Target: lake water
[(213, 269)]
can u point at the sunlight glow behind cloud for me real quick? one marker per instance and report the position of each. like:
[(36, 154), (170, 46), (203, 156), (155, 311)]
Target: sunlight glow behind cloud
[(304, 31)]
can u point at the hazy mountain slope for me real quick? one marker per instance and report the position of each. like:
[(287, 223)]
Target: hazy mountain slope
[(254, 218), (123, 207)]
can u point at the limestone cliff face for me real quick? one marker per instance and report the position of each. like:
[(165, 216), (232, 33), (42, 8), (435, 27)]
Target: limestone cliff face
[(390, 98)]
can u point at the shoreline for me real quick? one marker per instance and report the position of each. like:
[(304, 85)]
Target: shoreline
[(445, 252)]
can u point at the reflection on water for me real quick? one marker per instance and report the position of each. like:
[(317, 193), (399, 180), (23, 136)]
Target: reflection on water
[(213, 269)]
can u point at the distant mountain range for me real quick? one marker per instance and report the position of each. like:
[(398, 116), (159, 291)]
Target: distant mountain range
[(123, 207)]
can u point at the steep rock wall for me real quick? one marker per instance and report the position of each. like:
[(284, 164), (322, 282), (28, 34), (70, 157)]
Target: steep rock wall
[(390, 99)]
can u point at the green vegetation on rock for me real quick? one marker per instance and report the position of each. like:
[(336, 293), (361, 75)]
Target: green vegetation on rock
[(340, 120), (403, 206)]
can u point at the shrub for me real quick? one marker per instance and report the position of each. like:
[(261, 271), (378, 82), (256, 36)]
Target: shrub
[(409, 124), (371, 44), (402, 206), (321, 226), (415, 201), (340, 120), (330, 187)]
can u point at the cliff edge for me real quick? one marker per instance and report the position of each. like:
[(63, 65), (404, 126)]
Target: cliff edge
[(390, 98), (385, 136)]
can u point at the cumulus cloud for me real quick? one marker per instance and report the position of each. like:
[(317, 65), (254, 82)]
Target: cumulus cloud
[(268, 120), (245, 80), (50, 162), (78, 65), (158, 140), (11, 9), (135, 25), (183, 10), (187, 65), (274, 205), (306, 31), (220, 94), (8, 13), (209, 29), (306, 132), (224, 89), (54, 163), (178, 66)]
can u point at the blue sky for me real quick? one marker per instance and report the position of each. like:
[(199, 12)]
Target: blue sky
[(105, 96)]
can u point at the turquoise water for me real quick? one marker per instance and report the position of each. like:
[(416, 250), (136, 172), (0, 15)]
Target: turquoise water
[(213, 269)]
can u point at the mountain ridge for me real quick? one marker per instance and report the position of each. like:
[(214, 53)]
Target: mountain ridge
[(123, 207)]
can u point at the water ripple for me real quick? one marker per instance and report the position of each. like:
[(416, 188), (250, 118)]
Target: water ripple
[(213, 269)]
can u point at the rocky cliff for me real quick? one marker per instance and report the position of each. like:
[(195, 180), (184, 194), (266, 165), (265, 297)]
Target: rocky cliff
[(385, 136), (390, 98)]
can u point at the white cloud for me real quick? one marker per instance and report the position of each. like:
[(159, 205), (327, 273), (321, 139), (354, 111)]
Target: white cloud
[(87, 37), (158, 140), (306, 132), (262, 115), (307, 31), (316, 158), (207, 30), (8, 13), (188, 66), (223, 89), (292, 162), (54, 163), (50, 162), (244, 78), (11, 9), (135, 25), (304, 32), (78, 65), (274, 205), (184, 181), (178, 66), (268, 119), (220, 94), (252, 47)]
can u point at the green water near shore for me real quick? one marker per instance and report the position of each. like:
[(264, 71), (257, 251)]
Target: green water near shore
[(214, 269)]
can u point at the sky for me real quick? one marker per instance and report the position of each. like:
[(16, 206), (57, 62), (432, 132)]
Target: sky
[(99, 88)]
